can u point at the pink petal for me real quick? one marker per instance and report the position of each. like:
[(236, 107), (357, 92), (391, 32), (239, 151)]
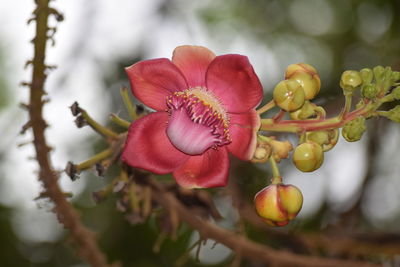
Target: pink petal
[(243, 129), (232, 79), (204, 171), (148, 147), (155, 79), (193, 61)]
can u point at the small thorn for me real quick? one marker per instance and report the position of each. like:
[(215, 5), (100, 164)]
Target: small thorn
[(59, 17), (27, 63), (41, 196), (51, 67), (23, 83), (51, 39), (24, 106), (25, 127), (46, 100), (30, 20), (24, 143), (75, 109)]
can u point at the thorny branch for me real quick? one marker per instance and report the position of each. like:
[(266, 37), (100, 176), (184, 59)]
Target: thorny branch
[(84, 238)]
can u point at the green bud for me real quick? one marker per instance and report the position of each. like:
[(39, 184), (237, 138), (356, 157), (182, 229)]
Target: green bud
[(387, 80), (350, 80), (353, 130), (379, 73), (394, 114), (366, 75), (289, 95), (396, 76), (396, 93), (369, 91)]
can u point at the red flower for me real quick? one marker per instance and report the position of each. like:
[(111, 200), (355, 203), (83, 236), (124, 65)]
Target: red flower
[(204, 108)]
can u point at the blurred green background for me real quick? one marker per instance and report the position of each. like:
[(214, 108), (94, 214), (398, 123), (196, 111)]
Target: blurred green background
[(357, 186)]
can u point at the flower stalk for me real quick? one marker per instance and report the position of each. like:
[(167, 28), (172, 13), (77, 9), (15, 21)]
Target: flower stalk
[(119, 121), (95, 159), (276, 179), (266, 107), (128, 103), (98, 127)]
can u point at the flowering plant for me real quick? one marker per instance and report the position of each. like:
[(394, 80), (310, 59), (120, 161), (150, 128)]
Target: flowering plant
[(205, 107)]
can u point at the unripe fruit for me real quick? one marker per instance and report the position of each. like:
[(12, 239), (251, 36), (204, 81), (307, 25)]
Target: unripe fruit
[(289, 95), (308, 156), (277, 204), (350, 80), (307, 76)]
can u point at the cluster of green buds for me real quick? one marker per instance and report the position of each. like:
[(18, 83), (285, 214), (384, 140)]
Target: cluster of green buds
[(277, 204), (377, 86)]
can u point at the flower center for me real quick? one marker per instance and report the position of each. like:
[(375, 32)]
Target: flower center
[(197, 121)]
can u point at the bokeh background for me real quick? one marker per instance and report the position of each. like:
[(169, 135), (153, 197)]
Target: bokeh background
[(98, 39)]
